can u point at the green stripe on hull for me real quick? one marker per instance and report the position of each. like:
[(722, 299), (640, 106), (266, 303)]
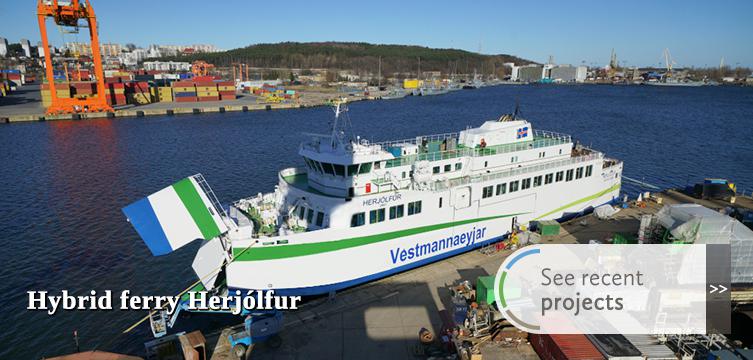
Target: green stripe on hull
[(576, 202), (287, 251), (196, 207)]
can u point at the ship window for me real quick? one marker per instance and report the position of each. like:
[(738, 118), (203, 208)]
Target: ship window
[(328, 169), (560, 151), (352, 170), (376, 216), (377, 165), (310, 216), (448, 167), (319, 218), (569, 175), (301, 212), (282, 242), (548, 178), (403, 174), (487, 192), (397, 211), (339, 170), (319, 166), (579, 173), (559, 176), (537, 181), (414, 207), (514, 186), (440, 202), (486, 163), (358, 219), (435, 170), (589, 170), (364, 168), (501, 189), (458, 166), (525, 184)]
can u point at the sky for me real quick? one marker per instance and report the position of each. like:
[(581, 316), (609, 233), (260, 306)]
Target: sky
[(573, 32)]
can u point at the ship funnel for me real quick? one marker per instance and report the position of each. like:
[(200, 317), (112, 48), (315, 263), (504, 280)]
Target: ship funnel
[(177, 215)]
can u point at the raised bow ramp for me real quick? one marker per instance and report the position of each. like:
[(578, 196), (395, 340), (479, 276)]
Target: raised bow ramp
[(175, 216)]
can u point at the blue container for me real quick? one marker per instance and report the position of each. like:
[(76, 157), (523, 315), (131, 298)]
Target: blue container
[(185, 94)]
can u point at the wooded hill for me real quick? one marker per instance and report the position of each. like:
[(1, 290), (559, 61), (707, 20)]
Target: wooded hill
[(361, 58)]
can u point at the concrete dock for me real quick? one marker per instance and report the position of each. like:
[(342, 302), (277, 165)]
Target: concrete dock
[(25, 105)]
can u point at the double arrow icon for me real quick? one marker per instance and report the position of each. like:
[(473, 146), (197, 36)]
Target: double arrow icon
[(721, 289)]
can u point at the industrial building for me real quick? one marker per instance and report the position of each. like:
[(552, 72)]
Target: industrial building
[(26, 46), (567, 73), (530, 73), (3, 47)]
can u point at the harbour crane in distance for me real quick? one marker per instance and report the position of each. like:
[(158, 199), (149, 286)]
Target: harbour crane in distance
[(68, 14)]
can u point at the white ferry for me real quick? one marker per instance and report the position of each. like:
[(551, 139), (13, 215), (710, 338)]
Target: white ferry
[(359, 211)]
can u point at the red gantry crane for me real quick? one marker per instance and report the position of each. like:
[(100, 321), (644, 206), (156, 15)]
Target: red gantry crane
[(67, 14)]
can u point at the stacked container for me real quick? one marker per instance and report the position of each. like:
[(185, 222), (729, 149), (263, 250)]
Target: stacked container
[(115, 94), (564, 347), (184, 91), (162, 94), (207, 91), (226, 90), (651, 348), (137, 92), (83, 89), (61, 91)]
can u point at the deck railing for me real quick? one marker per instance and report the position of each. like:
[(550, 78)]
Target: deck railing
[(446, 184)]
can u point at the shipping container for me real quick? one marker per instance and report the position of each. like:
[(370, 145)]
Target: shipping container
[(564, 347), (186, 99), (485, 289), (548, 227), (209, 98), (615, 347)]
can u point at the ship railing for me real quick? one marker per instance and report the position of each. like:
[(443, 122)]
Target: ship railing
[(478, 152), (211, 196), (447, 184), (552, 135)]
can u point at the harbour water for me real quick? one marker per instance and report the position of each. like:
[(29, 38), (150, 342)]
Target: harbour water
[(63, 183)]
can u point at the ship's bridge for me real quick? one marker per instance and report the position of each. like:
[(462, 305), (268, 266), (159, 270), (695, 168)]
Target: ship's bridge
[(340, 166), (492, 133)]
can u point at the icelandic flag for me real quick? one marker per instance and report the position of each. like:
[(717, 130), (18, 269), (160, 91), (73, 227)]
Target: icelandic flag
[(523, 132), (175, 216)]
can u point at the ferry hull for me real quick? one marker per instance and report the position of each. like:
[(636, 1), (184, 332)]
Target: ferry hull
[(330, 271)]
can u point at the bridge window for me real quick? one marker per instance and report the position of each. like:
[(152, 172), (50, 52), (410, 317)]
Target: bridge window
[(579, 173), (310, 216), (501, 189), (339, 170), (319, 218), (559, 176), (352, 170), (365, 168), (589, 170), (301, 212), (458, 166), (328, 169), (537, 181), (358, 219), (569, 175), (487, 192), (526, 183), (414, 207), (435, 170), (448, 168), (548, 178), (514, 186), (376, 216), (396, 211)]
